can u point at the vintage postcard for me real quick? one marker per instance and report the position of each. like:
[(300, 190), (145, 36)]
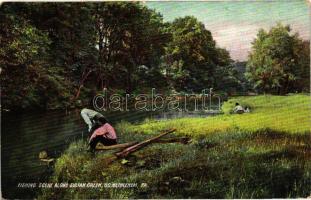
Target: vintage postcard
[(155, 99)]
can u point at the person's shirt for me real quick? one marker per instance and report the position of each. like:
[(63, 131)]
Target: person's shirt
[(238, 109), (106, 131)]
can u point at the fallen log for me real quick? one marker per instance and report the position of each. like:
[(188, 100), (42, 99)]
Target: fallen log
[(117, 146), (183, 140), (142, 144)]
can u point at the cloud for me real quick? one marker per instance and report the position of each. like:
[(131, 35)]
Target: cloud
[(237, 37)]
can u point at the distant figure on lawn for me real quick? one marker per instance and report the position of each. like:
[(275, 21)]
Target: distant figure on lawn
[(238, 109), (101, 130), (247, 110)]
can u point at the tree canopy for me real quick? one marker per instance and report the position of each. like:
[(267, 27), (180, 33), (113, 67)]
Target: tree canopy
[(56, 55), (279, 61)]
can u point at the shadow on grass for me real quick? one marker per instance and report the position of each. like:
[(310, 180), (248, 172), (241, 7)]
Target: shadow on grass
[(265, 164)]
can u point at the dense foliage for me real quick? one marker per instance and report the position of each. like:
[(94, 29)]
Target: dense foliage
[(279, 62), (57, 55), (193, 61)]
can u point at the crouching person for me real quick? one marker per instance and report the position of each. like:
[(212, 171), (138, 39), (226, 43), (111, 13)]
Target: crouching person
[(104, 133), (101, 131)]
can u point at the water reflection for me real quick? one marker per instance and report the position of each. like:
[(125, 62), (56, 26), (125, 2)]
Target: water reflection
[(24, 135)]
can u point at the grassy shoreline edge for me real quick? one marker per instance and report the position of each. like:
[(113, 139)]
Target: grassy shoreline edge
[(262, 154)]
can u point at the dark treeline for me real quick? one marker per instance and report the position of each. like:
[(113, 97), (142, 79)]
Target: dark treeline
[(55, 55)]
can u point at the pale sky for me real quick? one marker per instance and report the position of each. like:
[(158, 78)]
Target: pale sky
[(234, 25)]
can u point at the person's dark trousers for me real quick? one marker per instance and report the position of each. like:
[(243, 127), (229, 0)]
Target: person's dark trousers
[(103, 140)]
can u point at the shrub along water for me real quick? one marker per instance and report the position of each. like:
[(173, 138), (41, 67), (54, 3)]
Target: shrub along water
[(262, 154)]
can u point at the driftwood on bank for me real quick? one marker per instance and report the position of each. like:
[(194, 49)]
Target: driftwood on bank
[(117, 146), (142, 144), (182, 140)]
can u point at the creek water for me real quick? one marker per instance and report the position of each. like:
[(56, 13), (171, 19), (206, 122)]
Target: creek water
[(25, 134)]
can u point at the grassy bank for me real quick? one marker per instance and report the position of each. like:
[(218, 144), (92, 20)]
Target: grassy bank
[(262, 154)]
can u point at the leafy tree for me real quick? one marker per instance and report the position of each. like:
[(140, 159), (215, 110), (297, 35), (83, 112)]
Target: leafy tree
[(24, 76), (193, 62), (131, 41), (71, 49), (239, 69), (227, 78), (276, 62), (54, 54), (70, 52), (302, 69), (71, 29)]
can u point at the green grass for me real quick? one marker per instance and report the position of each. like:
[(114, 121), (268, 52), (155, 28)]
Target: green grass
[(262, 154), (281, 113)]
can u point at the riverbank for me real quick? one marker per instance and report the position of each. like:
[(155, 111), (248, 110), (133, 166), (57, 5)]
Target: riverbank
[(262, 154)]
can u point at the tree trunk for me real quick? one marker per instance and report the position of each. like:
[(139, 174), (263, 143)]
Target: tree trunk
[(84, 77)]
